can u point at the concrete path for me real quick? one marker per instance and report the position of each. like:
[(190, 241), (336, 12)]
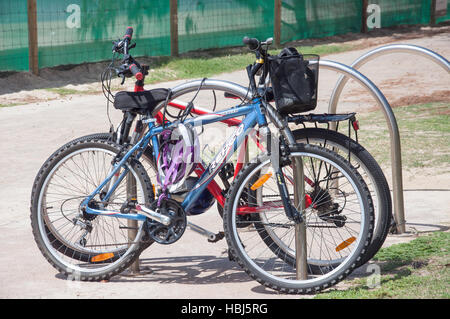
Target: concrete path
[(192, 267)]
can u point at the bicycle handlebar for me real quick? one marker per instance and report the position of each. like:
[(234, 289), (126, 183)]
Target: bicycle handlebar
[(130, 67), (128, 33), (136, 71), (261, 54), (252, 43)]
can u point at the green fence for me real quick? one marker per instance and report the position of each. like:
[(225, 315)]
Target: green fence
[(13, 35), (77, 31), (319, 18)]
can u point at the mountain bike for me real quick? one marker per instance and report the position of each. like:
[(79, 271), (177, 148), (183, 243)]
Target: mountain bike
[(95, 170)]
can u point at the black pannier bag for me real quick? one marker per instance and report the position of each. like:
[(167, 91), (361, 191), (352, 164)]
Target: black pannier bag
[(294, 80)]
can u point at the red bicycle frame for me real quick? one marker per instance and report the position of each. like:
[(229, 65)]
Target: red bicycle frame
[(213, 187)]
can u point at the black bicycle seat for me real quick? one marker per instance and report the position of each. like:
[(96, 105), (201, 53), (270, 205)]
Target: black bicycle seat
[(139, 102)]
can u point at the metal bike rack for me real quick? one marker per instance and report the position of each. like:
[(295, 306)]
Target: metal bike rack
[(211, 84), (397, 182)]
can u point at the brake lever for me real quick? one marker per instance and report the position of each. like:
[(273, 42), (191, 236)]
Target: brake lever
[(123, 78)]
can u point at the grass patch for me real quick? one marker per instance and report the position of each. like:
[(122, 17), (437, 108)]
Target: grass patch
[(10, 104), (424, 133), (418, 269), (67, 91), (176, 68)]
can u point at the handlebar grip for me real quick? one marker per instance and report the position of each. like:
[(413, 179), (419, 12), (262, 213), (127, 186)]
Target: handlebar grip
[(252, 43), (128, 33), (136, 72)]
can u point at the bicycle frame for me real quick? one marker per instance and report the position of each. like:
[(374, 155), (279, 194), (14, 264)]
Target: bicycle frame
[(252, 117), (213, 187)]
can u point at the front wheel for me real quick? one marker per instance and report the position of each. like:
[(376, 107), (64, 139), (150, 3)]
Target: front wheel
[(338, 218)]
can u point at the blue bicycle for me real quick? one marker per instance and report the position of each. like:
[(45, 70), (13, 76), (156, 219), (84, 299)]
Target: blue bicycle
[(298, 218)]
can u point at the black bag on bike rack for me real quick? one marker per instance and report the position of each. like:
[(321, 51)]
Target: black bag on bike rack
[(294, 80)]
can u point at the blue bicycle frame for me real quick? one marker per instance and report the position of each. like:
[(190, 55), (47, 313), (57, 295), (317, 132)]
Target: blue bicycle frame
[(253, 116)]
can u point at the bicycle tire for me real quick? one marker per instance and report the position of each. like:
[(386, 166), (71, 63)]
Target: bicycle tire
[(344, 268), (45, 239), (148, 164)]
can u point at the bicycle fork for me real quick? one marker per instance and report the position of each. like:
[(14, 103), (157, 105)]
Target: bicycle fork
[(273, 151), (293, 212)]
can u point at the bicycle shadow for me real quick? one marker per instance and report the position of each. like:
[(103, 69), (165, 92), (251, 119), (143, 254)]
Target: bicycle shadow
[(199, 270)]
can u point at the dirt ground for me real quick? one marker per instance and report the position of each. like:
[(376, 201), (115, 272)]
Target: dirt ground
[(192, 267)]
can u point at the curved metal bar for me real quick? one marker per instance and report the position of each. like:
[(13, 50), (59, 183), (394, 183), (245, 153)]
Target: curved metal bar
[(387, 49), (397, 179), (209, 84), (395, 139), (206, 84)]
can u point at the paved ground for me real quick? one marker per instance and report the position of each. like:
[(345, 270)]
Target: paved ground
[(191, 268)]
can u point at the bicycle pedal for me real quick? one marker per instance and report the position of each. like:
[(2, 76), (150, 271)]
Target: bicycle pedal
[(220, 235)]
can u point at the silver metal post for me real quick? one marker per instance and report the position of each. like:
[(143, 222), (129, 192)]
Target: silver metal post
[(300, 228), (397, 182), (132, 224)]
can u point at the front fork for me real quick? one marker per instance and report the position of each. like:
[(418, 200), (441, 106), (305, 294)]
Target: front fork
[(274, 153)]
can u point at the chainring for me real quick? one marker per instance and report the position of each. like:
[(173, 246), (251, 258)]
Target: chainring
[(169, 234)]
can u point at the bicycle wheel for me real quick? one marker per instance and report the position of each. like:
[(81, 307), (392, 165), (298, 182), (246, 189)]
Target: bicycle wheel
[(339, 222), (73, 251), (370, 171), (84, 246)]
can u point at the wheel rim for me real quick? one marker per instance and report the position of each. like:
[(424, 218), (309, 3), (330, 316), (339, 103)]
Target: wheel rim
[(120, 249), (342, 263)]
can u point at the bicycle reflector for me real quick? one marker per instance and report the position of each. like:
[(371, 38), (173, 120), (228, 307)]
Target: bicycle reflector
[(345, 243), (260, 181), (178, 154), (102, 257)]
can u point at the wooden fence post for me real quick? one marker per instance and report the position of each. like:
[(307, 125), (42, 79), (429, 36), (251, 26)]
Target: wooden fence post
[(33, 63), (365, 3), (433, 12), (174, 27), (277, 23)]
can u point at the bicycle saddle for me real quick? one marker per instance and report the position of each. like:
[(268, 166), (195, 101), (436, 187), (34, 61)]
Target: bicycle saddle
[(139, 102)]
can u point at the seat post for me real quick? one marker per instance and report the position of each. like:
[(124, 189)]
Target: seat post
[(128, 118)]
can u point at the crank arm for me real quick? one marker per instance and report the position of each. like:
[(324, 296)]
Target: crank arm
[(147, 212), (204, 232), (142, 213)]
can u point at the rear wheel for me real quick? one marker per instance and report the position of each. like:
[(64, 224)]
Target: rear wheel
[(85, 246), (147, 162)]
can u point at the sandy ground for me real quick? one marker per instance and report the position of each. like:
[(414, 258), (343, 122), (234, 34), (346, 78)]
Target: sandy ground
[(192, 267)]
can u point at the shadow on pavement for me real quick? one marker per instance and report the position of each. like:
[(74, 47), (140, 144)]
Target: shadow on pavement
[(200, 270)]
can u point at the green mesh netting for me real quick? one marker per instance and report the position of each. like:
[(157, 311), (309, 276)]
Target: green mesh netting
[(77, 31), (13, 35), (403, 12), (219, 23), (301, 19)]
